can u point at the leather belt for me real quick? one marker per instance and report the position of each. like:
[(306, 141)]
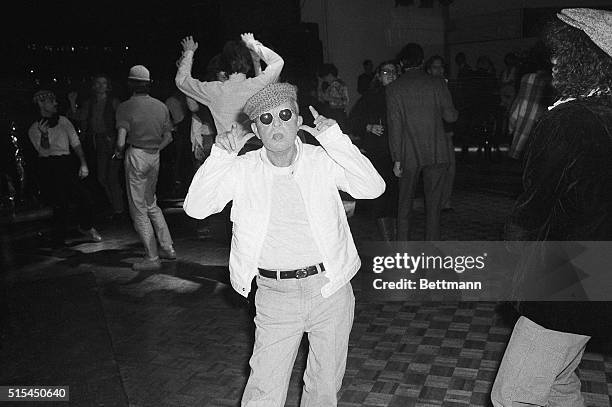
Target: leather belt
[(298, 273), (145, 149)]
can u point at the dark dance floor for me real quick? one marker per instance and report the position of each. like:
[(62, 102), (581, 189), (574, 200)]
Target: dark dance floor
[(180, 337)]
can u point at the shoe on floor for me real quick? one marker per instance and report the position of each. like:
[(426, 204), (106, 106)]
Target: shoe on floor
[(167, 253), (147, 265), (91, 234)]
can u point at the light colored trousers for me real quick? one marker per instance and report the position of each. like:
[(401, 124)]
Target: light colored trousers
[(538, 368), (141, 169), (285, 310)]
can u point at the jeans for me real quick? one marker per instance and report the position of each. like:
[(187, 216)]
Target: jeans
[(285, 310)]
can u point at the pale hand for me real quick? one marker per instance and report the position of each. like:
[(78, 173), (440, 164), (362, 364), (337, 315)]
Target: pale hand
[(377, 129), (83, 172), (189, 44), (397, 170), (232, 140), (43, 126), (249, 40), (321, 123)]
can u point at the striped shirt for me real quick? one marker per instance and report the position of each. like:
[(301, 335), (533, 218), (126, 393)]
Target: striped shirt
[(530, 103)]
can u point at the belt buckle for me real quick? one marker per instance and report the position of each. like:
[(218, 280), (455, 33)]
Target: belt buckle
[(301, 273)]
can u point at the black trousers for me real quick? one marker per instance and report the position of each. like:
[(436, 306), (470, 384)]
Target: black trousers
[(60, 186), (385, 206), (433, 182)]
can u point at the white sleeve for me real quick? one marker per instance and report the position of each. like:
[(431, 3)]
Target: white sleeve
[(213, 185), (353, 172), (274, 64), (203, 92)]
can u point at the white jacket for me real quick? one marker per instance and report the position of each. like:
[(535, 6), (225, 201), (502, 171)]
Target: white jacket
[(319, 172)]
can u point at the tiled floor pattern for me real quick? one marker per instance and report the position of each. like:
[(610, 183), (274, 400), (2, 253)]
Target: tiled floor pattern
[(193, 350), (181, 338)]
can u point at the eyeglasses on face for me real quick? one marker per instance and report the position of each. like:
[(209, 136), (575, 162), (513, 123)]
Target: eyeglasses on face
[(267, 118)]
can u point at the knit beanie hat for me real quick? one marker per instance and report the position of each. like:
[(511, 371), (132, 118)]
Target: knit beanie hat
[(268, 98), (597, 24)]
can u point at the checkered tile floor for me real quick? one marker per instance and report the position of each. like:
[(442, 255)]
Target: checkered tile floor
[(195, 352), (181, 338)]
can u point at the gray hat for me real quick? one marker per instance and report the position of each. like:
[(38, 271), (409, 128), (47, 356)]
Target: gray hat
[(139, 73), (597, 24), (268, 98)]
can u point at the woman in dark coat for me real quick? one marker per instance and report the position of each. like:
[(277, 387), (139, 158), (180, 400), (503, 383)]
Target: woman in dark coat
[(369, 122), (568, 197)]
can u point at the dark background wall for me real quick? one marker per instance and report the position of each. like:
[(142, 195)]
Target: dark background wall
[(59, 39)]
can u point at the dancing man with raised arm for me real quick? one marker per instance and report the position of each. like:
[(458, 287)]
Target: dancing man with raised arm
[(292, 234), (225, 99)]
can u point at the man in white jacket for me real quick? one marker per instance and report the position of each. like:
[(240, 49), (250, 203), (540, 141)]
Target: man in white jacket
[(291, 232)]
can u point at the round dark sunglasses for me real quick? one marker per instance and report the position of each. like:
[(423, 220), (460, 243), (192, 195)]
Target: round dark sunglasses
[(285, 115)]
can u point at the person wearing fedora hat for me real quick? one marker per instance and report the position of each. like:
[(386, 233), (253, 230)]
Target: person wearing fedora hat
[(567, 197), (144, 126), (291, 234)]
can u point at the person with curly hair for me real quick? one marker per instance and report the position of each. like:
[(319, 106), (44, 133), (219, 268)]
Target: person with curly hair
[(567, 197)]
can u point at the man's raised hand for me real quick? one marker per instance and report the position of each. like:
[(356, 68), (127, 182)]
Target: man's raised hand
[(189, 44), (321, 123), (232, 140), (249, 40)]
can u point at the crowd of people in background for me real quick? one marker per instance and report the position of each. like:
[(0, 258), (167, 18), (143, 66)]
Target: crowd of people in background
[(492, 110), (407, 121)]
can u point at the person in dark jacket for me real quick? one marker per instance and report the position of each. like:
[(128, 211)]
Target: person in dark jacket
[(417, 107), (369, 122), (568, 197), (96, 119)]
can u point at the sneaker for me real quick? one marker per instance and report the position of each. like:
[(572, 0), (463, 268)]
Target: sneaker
[(167, 253), (92, 234), (147, 265)]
